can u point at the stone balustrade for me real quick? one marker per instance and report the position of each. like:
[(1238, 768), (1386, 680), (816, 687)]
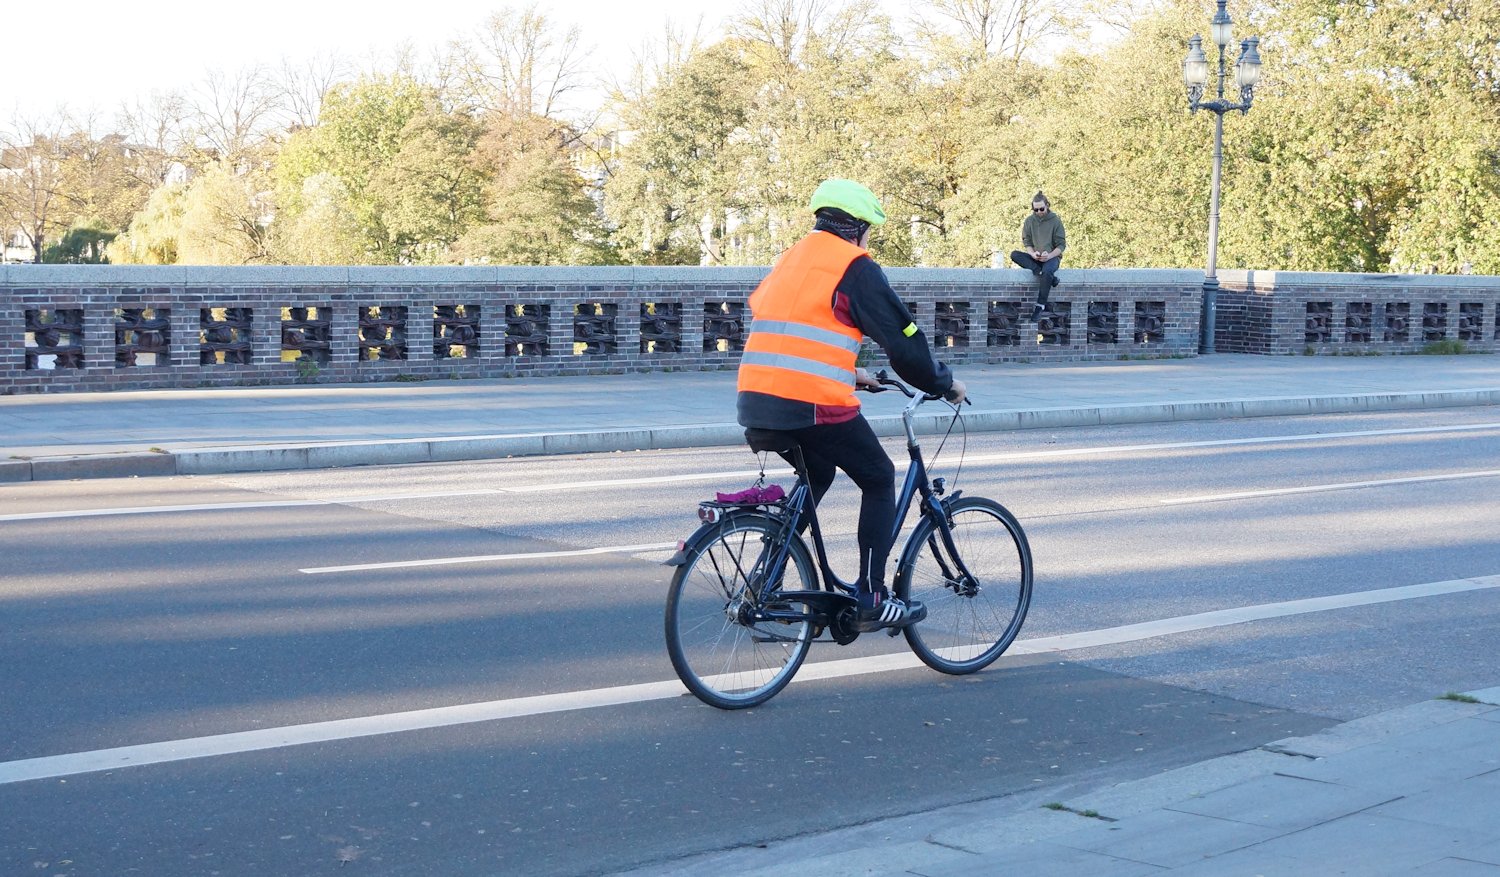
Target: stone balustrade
[(65, 327), (1282, 312)]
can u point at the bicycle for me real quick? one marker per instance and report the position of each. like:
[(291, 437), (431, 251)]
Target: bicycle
[(748, 599)]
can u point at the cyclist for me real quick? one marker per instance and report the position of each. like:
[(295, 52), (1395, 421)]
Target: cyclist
[(798, 372)]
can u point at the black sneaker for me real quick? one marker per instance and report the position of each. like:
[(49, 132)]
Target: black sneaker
[(1037, 311), (1054, 281), (877, 611)]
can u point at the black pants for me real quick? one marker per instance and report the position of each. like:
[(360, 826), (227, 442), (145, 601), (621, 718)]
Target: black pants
[(853, 447), (1044, 271)]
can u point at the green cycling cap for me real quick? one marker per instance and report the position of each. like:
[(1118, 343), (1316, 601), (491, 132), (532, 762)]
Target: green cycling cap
[(850, 197)]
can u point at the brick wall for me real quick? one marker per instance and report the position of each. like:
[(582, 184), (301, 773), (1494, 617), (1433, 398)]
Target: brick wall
[(1279, 312), (126, 327)]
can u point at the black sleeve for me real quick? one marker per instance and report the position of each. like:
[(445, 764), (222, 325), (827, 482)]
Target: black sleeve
[(881, 314)]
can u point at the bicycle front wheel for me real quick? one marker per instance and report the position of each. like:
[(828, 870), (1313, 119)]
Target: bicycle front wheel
[(720, 650), (970, 621)]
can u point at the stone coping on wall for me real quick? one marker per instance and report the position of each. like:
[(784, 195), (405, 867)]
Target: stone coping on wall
[(1271, 280), (26, 275)]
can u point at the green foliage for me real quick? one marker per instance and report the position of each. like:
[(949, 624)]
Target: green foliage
[(1373, 145), (152, 236), (535, 208), (359, 136), (81, 245)]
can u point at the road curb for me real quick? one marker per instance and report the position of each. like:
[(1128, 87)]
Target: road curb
[(324, 455)]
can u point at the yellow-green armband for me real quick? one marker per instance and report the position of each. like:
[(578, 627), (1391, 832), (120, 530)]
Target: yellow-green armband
[(910, 330)]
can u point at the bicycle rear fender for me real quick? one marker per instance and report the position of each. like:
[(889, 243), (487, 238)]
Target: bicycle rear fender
[(705, 532)]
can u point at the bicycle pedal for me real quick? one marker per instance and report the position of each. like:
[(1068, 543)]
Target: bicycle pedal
[(892, 631)]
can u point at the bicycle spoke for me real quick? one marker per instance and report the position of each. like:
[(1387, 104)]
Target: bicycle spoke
[(724, 657), (969, 622)]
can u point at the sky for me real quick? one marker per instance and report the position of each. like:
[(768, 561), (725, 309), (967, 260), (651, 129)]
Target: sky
[(103, 54)]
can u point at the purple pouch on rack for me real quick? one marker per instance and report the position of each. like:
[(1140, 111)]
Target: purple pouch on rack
[(769, 493)]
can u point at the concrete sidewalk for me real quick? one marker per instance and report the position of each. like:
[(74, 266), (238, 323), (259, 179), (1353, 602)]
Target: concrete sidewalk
[(165, 432), (1412, 791)]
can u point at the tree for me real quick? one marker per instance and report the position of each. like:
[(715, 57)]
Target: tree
[(151, 238), (675, 191), (360, 133), (323, 231), (81, 245), (226, 216), (537, 211), (432, 190), (230, 114), (983, 28), (519, 64), (32, 197)]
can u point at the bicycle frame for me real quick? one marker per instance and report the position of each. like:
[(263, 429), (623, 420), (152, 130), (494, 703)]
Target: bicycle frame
[(799, 503)]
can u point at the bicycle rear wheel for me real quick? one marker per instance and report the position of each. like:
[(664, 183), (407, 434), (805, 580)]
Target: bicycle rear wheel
[(723, 655), (969, 623)]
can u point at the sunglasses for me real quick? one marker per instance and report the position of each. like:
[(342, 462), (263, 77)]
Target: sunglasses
[(1038, 210)]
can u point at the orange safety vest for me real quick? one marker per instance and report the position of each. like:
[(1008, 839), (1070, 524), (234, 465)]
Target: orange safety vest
[(797, 349)]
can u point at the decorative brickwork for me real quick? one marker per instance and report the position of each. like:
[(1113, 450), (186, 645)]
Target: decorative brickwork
[(661, 327), (54, 339), (1104, 322), (455, 331), (224, 336), (594, 329), (1306, 313), (67, 327), (1005, 324), (950, 324)]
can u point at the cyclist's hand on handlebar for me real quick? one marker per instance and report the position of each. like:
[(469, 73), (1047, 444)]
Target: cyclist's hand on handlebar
[(863, 380), (957, 393)]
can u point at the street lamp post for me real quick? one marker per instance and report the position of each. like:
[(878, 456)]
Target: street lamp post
[(1195, 75)]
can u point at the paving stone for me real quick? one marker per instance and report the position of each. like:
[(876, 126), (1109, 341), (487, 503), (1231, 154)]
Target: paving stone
[(1167, 838), (1472, 804), (1378, 728), (1487, 695), (1249, 862), (1456, 868), (875, 861), (1372, 845), (1383, 769), (1290, 803), (1041, 859), (1191, 781)]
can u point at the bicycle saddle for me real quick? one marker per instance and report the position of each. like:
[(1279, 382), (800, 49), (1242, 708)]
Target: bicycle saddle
[(769, 440)]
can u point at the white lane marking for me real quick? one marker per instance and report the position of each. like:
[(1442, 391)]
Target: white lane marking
[(51, 766), (493, 558), (235, 506), (740, 473), (147, 510), (646, 479), (1316, 488)]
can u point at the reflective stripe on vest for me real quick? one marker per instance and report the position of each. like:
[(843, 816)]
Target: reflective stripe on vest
[(797, 349), (800, 364), (811, 333)]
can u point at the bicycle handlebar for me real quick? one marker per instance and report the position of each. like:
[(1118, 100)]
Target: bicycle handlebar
[(888, 382)]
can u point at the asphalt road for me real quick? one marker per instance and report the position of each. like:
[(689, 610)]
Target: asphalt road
[(191, 609)]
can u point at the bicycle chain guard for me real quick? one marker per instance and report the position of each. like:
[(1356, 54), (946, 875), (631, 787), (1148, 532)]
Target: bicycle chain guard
[(843, 627)]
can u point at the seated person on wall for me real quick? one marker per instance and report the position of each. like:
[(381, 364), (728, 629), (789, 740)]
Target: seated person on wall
[(1044, 240)]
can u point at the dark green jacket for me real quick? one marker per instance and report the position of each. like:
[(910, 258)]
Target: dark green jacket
[(1043, 232)]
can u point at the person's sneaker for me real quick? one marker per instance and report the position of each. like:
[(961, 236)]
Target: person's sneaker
[(1037, 311), (877, 611), (1054, 281)]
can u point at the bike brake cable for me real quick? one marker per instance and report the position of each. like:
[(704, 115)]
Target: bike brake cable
[(957, 419)]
